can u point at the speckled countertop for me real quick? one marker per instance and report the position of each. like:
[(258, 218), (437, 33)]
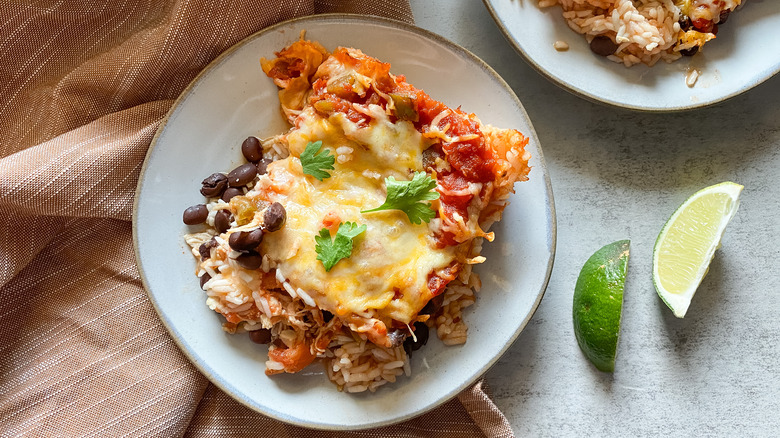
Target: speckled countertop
[(619, 174)]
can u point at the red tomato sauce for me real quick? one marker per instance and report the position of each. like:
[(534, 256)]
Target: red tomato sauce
[(437, 281)]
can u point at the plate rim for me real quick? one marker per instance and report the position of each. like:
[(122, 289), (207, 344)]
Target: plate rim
[(596, 99), (202, 366)]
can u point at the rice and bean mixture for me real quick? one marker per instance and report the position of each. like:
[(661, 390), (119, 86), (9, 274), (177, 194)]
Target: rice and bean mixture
[(256, 299), (645, 31)]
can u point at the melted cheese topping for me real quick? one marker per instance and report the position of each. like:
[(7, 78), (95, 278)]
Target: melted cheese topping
[(387, 274), (706, 9)]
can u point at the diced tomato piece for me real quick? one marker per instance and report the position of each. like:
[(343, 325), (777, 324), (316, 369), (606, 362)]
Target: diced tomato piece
[(437, 281), (294, 359)]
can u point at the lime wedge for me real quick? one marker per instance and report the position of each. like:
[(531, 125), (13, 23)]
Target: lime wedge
[(688, 241), (598, 302)]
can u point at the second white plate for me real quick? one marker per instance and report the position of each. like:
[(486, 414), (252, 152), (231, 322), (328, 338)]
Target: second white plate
[(745, 54)]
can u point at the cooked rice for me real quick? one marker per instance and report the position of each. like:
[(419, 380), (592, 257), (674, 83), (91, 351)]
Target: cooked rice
[(646, 31), (355, 364), (344, 154), (450, 326), (561, 46), (691, 76)]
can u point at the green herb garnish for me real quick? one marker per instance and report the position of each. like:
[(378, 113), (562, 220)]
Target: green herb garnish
[(314, 160), (409, 197), (330, 251)]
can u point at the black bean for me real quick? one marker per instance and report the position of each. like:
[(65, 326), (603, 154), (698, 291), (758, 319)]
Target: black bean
[(421, 333), (724, 15), (274, 217), (204, 278), (262, 166), (196, 214), (408, 348), (685, 23), (230, 192), (603, 45), (326, 316), (262, 336), (250, 260), (252, 149), (222, 220), (689, 52), (433, 305), (214, 185), (205, 248), (242, 175), (245, 240)]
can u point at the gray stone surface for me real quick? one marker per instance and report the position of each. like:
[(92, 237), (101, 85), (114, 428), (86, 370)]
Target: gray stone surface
[(619, 174)]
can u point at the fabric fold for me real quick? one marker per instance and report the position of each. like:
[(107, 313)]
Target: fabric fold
[(90, 171)]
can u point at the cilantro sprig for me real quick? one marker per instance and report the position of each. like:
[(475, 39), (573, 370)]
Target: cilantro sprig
[(330, 252), (316, 161), (410, 197)]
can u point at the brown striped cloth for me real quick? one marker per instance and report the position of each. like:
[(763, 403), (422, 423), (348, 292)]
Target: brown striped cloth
[(83, 87)]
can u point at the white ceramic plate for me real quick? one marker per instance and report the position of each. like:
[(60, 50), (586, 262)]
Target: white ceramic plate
[(746, 53), (232, 99)]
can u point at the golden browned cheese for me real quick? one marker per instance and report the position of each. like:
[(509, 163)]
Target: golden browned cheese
[(387, 279), (390, 263)]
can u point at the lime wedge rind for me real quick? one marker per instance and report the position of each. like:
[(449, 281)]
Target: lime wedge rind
[(597, 304), (679, 300)]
